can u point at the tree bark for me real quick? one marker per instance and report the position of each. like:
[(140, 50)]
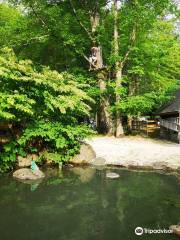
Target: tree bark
[(118, 73), (103, 117), (132, 91)]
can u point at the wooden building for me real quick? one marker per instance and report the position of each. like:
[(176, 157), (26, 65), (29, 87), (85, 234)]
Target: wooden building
[(145, 127), (170, 119)]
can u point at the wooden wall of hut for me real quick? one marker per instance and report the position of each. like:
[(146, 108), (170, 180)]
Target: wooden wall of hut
[(148, 128)]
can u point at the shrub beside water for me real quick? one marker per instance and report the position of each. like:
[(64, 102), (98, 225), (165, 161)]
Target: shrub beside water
[(44, 108)]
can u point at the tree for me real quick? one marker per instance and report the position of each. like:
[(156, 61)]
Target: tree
[(93, 9), (84, 24), (153, 70), (118, 72)]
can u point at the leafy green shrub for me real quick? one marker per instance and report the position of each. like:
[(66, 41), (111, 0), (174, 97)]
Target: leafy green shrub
[(45, 108)]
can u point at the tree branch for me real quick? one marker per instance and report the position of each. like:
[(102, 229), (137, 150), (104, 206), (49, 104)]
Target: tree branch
[(45, 25), (80, 22), (132, 40), (34, 39), (85, 57), (38, 17)]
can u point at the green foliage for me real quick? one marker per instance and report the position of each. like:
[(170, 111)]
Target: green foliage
[(142, 104), (63, 140), (44, 107), (153, 70), (9, 18)]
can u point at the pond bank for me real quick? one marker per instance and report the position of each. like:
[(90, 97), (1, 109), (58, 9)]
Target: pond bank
[(137, 152)]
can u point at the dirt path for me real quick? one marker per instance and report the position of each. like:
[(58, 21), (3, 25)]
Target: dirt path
[(137, 151)]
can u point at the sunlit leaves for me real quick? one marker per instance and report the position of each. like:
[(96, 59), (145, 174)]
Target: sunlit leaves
[(46, 105)]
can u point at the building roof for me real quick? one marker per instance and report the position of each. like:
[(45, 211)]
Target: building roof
[(172, 107)]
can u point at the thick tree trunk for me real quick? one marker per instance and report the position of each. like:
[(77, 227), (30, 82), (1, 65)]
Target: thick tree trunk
[(104, 122), (132, 90), (103, 118), (118, 73), (119, 128)]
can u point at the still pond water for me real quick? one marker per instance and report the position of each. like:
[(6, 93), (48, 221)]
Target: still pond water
[(81, 204)]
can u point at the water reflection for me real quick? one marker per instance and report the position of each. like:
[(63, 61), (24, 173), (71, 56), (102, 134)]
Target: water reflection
[(34, 184), (81, 204), (85, 174)]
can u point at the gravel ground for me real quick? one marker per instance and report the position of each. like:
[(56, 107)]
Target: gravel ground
[(137, 152)]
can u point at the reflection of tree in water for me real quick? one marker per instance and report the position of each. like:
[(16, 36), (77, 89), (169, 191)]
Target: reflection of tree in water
[(141, 199), (82, 204)]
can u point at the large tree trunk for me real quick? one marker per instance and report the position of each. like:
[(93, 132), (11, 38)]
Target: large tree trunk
[(118, 73), (104, 122), (132, 90), (103, 118)]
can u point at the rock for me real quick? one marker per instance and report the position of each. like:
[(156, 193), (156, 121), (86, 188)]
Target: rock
[(175, 229), (99, 161), (160, 165), (26, 161), (68, 165), (85, 156), (112, 175), (23, 161), (27, 174)]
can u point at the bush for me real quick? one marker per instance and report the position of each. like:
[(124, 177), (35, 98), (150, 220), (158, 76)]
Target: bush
[(44, 107)]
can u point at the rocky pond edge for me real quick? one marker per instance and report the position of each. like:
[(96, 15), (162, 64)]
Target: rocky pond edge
[(95, 153)]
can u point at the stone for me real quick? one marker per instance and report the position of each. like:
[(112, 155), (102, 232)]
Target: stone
[(160, 165), (68, 165), (175, 229), (23, 161), (27, 174), (85, 156), (112, 175), (26, 161), (99, 161)]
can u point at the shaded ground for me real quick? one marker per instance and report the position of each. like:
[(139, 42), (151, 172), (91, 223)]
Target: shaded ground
[(137, 151)]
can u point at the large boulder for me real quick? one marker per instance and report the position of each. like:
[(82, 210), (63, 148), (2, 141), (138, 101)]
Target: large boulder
[(85, 156), (28, 174)]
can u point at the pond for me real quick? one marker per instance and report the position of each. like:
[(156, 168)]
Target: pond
[(82, 204)]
